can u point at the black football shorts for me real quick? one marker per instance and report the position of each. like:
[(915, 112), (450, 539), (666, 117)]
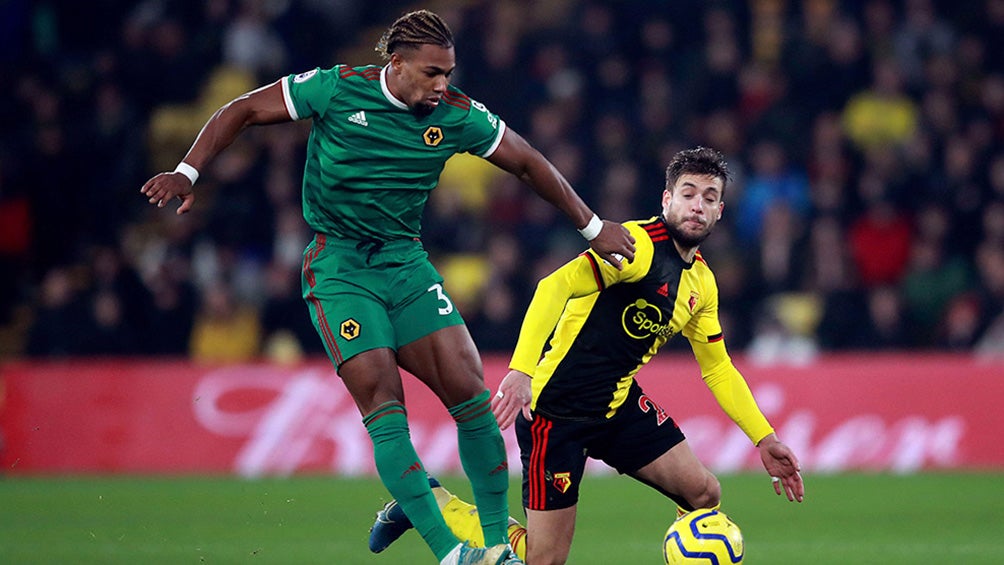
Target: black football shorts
[(554, 451)]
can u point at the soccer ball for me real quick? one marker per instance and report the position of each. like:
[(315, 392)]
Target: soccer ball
[(703, 537)]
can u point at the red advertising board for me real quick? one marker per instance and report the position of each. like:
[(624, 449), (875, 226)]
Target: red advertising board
[(898, 413)]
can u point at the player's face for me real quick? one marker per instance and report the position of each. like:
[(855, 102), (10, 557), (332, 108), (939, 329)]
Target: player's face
[(421, 75), (692, 207)]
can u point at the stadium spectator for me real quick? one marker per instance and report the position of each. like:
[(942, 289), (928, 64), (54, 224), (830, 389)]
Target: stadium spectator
[(283, 317), (880, 239), (174, 301), (932, 279), (225, 330), (881, 115), (773, 180), (105, 330), (886, 326), (61, 314)]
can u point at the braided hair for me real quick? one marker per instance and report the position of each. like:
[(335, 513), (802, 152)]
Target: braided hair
[(413, 29)]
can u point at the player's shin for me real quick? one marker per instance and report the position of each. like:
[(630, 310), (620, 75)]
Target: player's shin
[(404, 476), (483, 455)]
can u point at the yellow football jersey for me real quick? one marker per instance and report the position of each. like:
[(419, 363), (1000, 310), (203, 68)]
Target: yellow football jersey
[(590, 327)]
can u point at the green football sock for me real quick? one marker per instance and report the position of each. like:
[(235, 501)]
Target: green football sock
[(404, 475), (483, 455)]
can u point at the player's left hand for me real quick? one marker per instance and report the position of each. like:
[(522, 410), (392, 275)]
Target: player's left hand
[(783, 467), (513, 395), (614, 244), (164, 187)]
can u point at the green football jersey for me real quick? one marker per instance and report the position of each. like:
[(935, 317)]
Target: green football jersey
[(371, 161)]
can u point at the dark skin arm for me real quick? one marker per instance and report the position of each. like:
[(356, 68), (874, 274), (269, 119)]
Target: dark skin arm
[(515, 155), (258, 107)]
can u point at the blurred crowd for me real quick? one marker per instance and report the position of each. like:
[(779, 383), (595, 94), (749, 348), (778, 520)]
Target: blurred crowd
[(866, 138)]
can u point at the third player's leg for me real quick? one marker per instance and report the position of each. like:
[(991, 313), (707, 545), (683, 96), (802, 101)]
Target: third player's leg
[(680, 474), (549, 535)]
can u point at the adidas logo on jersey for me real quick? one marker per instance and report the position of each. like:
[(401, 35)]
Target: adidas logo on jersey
[(359, 118)]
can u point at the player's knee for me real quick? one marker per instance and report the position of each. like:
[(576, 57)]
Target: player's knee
[(710, 495)]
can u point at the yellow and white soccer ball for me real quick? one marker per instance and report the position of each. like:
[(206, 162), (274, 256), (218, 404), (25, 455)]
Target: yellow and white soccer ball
[(703, 537)]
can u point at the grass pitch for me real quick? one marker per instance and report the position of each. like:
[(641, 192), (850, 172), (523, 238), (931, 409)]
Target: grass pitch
[(846, 519)]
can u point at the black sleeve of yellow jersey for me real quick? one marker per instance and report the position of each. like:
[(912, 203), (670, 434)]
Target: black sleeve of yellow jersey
[(582, 276)]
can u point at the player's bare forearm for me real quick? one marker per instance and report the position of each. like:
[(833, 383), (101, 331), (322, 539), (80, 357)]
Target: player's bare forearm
[(612, 243), (518, 157), (262, 106), (515, 155)]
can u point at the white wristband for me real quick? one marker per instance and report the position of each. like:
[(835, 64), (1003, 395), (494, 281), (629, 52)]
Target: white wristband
[(592, 229), (189, 171)]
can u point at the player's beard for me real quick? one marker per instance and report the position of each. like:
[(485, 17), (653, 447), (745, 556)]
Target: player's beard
[(685, 238), (422, 109)]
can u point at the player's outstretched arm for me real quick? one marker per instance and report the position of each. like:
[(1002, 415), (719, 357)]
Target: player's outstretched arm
[(782, 466), (262, 106), (610, 240)]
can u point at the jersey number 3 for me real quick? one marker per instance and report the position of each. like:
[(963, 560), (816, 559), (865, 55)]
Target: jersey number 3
[(443, 310)]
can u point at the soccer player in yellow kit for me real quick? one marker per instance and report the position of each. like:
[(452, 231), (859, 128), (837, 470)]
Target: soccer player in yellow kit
[(571, 389)]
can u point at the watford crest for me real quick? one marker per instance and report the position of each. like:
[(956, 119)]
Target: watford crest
[(562, 482)]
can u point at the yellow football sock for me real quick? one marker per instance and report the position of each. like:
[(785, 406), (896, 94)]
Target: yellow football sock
[(461, 517), (680, 511), (517, 538), (465, 523)]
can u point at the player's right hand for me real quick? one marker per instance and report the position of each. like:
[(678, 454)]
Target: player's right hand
[(513, 396), (614, 244), (783, 467), (166, 186)]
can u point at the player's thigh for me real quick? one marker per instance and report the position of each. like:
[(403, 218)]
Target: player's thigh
[(421, 305), (552, 453), (447, 362), (372, 378), (432, 340), (349, 323), (638, 434), (549, 535), (345, 302), (679, 472)]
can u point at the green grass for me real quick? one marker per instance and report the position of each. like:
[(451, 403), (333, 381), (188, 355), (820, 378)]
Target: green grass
[(846, 519)]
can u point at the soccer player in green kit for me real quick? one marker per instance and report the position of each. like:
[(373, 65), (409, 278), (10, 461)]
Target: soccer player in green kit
[(380, 137)]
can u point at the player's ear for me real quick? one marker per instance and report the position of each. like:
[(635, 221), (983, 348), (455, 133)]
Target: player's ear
[(396, 60)]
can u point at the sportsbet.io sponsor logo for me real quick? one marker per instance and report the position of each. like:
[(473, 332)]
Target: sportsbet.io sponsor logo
[(642, 320)]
